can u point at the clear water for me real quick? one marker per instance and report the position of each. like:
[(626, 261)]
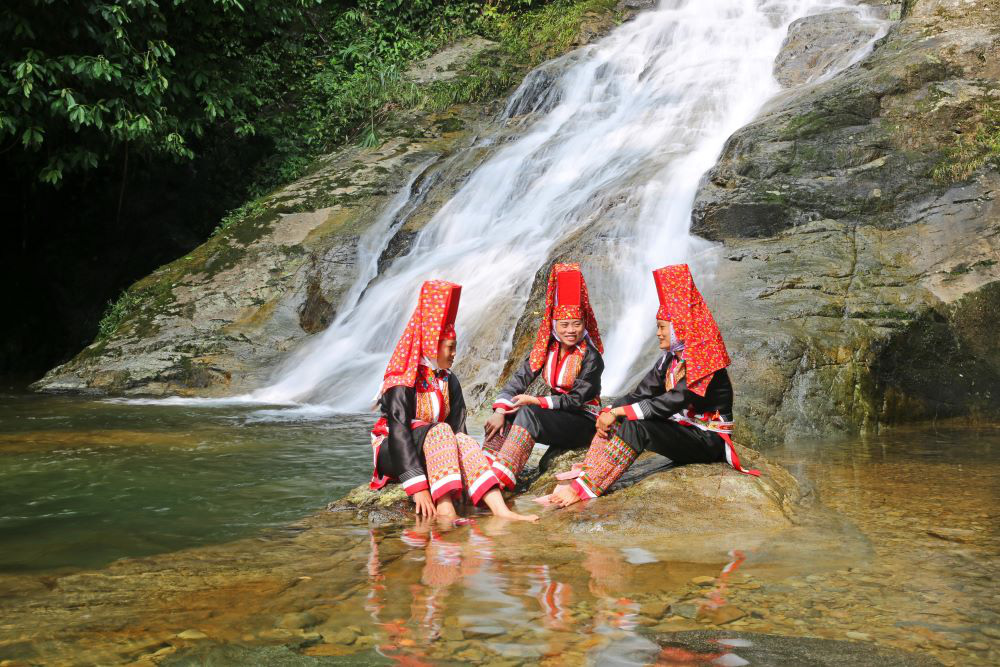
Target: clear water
[(85, 482), (915, 572)]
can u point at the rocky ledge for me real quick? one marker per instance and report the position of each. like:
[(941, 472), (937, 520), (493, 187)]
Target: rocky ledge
[(710, 501), (859, 217)]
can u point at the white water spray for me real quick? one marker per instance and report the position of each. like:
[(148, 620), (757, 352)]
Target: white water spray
[(634, 123)]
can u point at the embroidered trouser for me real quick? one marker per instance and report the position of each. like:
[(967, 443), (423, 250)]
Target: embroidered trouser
[(477, 475), (455, 461), (609, 458), (559, 429)]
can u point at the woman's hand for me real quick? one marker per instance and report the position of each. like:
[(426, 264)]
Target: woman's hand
[(494, 424), (605, 421), (526, 399), (424, 503)]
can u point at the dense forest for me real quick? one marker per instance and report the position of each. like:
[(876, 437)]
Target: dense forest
[(132, 129)]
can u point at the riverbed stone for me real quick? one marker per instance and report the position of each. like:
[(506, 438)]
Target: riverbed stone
[(297, 620)]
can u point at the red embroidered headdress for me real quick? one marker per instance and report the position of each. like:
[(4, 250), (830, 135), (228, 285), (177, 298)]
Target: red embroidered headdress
[(565, 299), (431, 322), (681, 303)]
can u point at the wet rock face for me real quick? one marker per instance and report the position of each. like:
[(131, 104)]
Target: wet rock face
[(859, 257), (817, 44)]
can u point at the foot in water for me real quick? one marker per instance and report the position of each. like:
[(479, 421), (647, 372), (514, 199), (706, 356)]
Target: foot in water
[(494, 500), (511, 515), (446, 510), (564, 496)]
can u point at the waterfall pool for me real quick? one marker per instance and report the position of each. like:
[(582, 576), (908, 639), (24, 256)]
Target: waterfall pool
[(84, 482), (180, 535)]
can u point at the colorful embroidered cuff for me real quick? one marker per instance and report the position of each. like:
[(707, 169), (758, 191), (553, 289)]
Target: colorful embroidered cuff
[(445, 485), (503, 473), (582, 487), (483, 483), (415, 484), (547, 402), (634, 411)]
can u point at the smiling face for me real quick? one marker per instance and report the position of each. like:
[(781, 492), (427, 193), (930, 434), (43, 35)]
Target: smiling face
[(570, 332), (446, 353), (663, 333)]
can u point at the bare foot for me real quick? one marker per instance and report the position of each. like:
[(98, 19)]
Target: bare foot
[(510, 515), (494, 500), (446, 510), (564, 496)]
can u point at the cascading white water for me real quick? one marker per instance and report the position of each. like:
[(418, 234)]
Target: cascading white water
[(637, 119)]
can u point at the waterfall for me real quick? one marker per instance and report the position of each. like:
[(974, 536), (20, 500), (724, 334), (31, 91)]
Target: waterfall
[(621, 139)]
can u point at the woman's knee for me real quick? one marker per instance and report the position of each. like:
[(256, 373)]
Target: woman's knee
[(441, 429), (527, 418), (627, 431)]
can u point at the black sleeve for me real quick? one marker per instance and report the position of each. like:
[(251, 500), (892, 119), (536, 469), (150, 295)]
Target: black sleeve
[(587, 385), (518, 383), (456, 408), (399, 405), (662, 406), (649, 386)]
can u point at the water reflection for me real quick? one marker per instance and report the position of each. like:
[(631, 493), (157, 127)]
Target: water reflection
[(437, 593)]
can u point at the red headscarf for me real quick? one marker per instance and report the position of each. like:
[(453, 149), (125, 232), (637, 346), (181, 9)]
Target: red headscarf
[(565, 299), (431, 322), (681, 303)]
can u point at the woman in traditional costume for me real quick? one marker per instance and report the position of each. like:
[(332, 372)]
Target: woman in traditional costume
[(682, 408), (421, 441), (567, 354)]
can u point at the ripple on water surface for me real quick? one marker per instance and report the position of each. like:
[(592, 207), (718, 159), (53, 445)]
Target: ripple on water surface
[(85, 482)]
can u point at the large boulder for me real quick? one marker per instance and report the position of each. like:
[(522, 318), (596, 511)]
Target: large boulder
[(857, 282), (711, 501)]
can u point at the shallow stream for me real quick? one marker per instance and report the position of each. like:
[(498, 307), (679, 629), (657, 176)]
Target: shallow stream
[(182, 535)]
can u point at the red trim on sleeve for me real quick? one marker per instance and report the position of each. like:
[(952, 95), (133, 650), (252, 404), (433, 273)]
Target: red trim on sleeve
[(630, 413), (416, 488), (544, 402)]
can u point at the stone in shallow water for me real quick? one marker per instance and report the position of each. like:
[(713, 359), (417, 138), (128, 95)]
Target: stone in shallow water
[(297, 620), (272, 656), (721, 615), (781, 651)]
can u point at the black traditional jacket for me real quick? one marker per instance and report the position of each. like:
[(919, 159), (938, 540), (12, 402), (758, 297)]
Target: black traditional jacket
[(408, 413), (652, 400), (575, 380)]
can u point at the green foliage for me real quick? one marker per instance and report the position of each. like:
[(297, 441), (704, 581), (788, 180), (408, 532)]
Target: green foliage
[(86, 81), (116, 313), (89, 82), (249, 210), (978, 145)]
